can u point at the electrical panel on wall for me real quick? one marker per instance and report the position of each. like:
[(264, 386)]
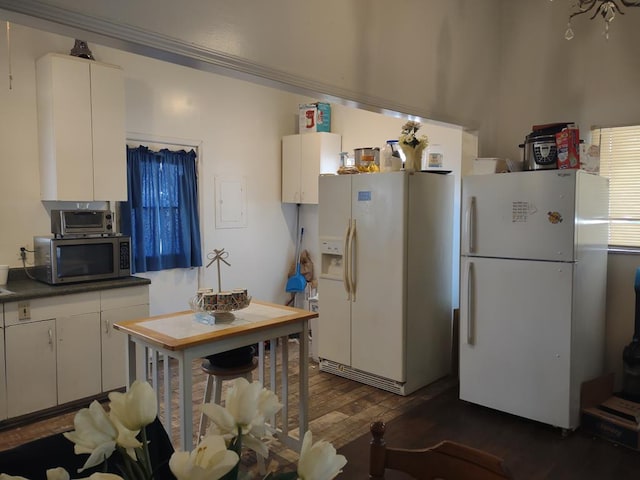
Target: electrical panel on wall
[(231, 202)]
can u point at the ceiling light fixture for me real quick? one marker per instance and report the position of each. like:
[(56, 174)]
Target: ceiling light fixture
[(607, 9)]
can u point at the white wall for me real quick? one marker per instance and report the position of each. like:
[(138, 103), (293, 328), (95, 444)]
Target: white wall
[(437, 59), (237, 127), (544, 78)]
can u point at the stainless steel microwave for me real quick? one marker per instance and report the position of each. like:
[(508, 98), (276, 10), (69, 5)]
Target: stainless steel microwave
[(81, 259)]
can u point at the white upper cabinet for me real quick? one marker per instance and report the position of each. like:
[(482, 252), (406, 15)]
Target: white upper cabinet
[(304, 157), (81, 129)]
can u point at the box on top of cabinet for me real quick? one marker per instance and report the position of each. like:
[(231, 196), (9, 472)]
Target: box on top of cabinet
[(314, 117)]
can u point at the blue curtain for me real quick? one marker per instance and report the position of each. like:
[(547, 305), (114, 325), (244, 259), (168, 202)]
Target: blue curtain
[(161, 213)]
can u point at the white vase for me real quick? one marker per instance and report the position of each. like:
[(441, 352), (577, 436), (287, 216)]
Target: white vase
[(413, 159)]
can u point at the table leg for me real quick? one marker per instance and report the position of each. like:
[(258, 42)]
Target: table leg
[(273, 359), (131, 360), (167, 391), (303, 398), (285, 386), (186, 403), (261, 362), (155, 378)]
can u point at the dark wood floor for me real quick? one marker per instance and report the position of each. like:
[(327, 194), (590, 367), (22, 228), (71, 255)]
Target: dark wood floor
[(341, 411), (530, 450)]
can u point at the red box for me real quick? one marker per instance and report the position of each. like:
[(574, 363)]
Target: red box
[(568, 144)]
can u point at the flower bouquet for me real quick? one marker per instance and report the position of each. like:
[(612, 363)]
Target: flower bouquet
[(118, 439), (412, 146)]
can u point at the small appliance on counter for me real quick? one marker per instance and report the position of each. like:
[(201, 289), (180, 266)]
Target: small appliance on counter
[(81, 259), (83, 246), (540, 149), (81, 222)]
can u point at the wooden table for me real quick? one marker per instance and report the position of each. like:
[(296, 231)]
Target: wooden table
[(182, 337)]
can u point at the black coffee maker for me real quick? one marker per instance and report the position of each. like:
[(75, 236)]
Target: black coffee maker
[(631, 354)]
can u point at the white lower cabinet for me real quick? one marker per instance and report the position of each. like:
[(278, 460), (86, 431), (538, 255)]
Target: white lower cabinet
[(31, 367), (78, 359), (67, 348), (118, 305)]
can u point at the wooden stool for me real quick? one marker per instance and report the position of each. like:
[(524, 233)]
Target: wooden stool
[(217, 375)]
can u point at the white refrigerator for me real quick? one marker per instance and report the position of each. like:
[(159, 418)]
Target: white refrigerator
[(532, 291), (384, 292)]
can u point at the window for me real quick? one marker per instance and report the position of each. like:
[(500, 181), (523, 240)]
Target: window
[(620, 162), (161, 213)]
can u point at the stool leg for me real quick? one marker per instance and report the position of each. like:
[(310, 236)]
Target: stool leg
[(261, 468), (217, 390), (207, 398)]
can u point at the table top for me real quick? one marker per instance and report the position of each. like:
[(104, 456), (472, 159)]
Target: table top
[(182, 330)]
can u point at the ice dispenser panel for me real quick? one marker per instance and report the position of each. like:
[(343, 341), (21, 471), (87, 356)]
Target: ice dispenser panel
[(331, 258)]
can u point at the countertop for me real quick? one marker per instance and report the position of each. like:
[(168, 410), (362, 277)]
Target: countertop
[(23, 288)]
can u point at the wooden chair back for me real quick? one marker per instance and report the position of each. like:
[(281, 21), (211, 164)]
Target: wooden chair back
[(446, 460)]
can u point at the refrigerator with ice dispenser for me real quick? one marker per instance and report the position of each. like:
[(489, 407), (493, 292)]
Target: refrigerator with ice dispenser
[(532, 291), (384, 292)]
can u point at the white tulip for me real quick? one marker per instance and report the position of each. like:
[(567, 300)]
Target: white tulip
[(94, 434), (210, 460), (242, 401), (319, 461), (136, 408), (4, 476), (247, 405), (57, 474), (104, 476)]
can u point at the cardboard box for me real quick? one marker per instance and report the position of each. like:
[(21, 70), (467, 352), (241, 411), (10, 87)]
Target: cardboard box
[(314, 117), (608, 416), (568, 143)]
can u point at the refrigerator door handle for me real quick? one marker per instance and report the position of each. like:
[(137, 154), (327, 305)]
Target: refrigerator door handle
[(470, 304), (471, 223), (346, 262), (352, 261)]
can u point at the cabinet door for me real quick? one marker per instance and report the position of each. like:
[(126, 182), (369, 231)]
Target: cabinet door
[(3, 389), (320, 153), (114, 344), (31, 367), (109, 152), (64, 128), (78, 356), (291, 169), (310, 149), (304, 158)]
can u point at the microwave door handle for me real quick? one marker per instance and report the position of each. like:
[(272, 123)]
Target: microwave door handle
[(345, 261)]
